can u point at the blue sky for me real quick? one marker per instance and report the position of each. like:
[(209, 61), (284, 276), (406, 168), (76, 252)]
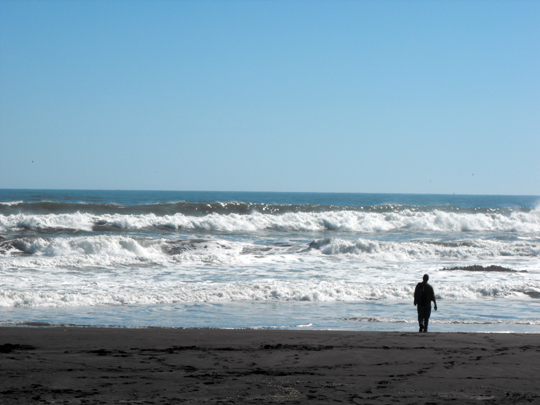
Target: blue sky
[(321, 96)]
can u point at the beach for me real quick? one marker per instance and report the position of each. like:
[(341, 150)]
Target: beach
[(70, 365), (119, 297)]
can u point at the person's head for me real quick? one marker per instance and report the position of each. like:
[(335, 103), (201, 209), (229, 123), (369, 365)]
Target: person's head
[(426, 278)]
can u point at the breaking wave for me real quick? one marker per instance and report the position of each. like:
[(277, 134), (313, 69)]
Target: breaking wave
[(264, 290), (232, 207), (426, 250), (339, 221), (117, 250)]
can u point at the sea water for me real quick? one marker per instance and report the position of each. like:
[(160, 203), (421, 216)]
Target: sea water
[(268, 260)]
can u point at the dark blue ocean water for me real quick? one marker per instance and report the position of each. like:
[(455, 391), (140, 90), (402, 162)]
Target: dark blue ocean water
[(131, 198)]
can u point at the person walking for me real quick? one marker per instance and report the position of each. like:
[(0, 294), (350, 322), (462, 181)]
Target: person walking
[(423, 295)]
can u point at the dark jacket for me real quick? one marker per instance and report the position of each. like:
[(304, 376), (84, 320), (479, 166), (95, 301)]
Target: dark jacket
[(423, 294)]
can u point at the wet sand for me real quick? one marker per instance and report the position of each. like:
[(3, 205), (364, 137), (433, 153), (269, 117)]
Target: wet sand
[(213, 366)]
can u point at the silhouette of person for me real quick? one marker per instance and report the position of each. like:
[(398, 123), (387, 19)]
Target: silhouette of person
[(423, 295)]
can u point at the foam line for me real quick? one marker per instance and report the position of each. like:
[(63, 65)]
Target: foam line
[(139, 293), (338, 221)]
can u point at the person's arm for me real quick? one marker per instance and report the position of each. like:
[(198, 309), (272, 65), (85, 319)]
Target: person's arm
[(434, 301)]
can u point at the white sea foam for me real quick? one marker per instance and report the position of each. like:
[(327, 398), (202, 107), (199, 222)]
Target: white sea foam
[(493, 321), (10, 203), (116, 250), (77, 221), (113, 250), (105, 292), (341, 221), (425, 250)]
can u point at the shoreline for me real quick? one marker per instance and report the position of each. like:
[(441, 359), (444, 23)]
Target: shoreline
[(433, 329), (90, 365), (474, 316)]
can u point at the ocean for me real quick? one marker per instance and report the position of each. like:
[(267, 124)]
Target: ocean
[(268, 260)]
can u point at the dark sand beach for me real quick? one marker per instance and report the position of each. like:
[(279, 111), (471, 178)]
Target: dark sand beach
[(196, 366)]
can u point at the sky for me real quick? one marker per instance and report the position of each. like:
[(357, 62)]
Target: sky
[(302, 96)]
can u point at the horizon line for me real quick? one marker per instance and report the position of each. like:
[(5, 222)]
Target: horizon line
[(276, 192)]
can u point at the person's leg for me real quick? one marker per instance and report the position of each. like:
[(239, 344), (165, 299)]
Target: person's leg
[(427, 314), (420, 311)]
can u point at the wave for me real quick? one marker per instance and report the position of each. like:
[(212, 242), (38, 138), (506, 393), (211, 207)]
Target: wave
[(170, 208), (131, 293), (234, 207), (425, 250), (107, 251), (505, 322), (11, 203), (340, 221), (112, 250), (494, 321)]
